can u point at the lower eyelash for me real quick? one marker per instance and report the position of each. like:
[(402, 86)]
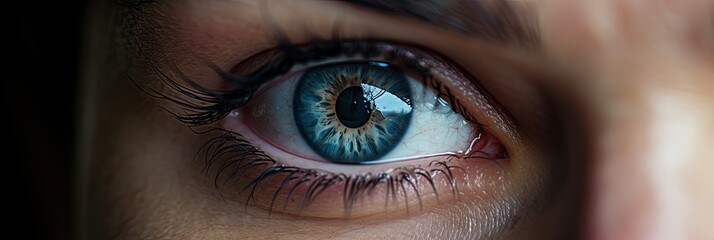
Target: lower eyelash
[(228, 157)]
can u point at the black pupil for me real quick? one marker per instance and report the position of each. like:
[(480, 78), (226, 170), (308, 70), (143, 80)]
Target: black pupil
[(352, 108)]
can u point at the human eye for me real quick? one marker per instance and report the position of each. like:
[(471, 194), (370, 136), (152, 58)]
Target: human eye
[(346, 129), (353, 109)]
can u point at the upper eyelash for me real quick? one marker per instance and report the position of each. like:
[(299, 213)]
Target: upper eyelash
[(208, 106)]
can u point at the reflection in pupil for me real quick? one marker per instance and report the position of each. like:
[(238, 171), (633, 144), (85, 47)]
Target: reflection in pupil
[(352, 108), (353, 113)]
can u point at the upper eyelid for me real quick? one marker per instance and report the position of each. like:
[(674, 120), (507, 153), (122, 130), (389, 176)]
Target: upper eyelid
[(208, 106), (434, 43), (407, 55), (263, 58)]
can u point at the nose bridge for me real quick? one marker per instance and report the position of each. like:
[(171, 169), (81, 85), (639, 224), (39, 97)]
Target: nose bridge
[(650, 140), (623, 195), (647, 92)]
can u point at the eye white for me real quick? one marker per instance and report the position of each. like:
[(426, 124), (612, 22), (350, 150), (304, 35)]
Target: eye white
[(435, 129)]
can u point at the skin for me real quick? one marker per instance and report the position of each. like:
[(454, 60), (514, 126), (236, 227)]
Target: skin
[(613, 136)]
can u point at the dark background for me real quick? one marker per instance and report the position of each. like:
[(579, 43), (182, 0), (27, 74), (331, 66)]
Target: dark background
[(42, 41)]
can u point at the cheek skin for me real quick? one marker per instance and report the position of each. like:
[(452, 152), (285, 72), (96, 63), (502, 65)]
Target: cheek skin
[(150, 195)]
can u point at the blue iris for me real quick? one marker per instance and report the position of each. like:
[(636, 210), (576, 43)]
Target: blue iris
[(353, 112)]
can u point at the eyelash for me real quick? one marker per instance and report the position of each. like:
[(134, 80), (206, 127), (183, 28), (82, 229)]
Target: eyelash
[(229, 150), (208, 106), (228, 155)]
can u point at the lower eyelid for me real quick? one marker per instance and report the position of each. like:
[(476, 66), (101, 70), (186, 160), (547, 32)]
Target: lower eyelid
[(452, 178), (470, 176)]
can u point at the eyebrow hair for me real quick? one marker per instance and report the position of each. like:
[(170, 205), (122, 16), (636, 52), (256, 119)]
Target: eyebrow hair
[(497, 21)]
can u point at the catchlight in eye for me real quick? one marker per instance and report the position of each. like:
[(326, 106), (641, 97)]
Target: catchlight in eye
[(353, 113)]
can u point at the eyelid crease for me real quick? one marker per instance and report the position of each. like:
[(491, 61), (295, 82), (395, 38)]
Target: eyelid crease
[(254, 62)]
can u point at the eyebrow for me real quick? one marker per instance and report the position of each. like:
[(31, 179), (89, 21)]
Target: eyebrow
[(498, 21)]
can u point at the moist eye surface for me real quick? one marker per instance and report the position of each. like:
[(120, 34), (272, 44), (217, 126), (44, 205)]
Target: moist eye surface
[(389, 106)]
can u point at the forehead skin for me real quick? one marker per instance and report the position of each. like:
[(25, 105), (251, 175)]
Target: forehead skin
[(637, 73)]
